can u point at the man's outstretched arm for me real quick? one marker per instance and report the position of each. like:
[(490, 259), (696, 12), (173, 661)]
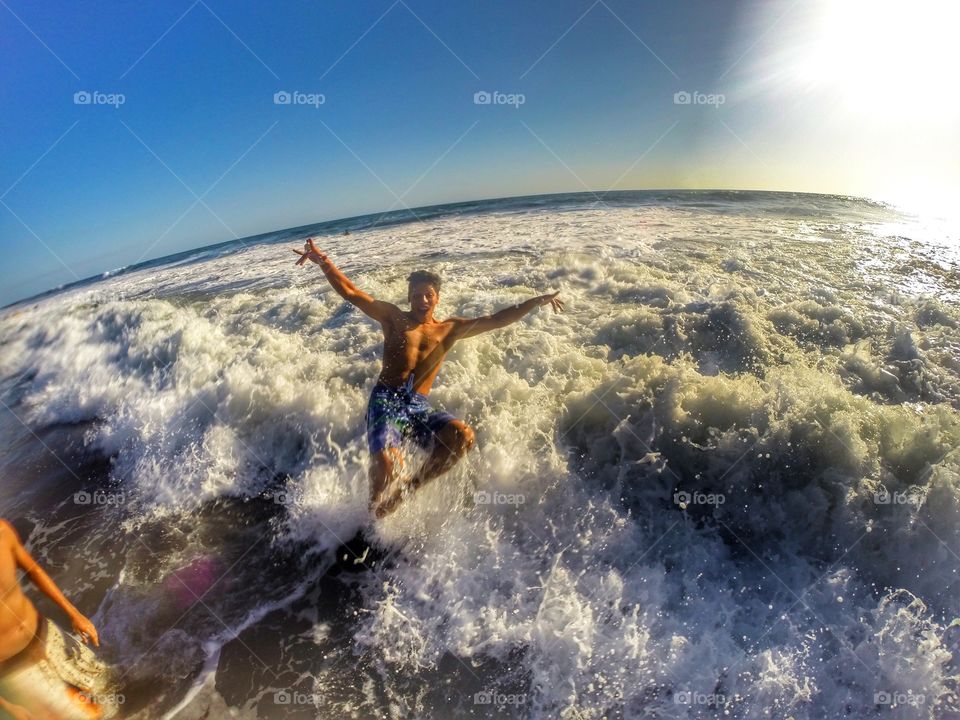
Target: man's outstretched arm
[(376, 309), (468, 327), (81, 625)]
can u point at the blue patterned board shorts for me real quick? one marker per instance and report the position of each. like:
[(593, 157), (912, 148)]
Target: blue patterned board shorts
[(396, 413)]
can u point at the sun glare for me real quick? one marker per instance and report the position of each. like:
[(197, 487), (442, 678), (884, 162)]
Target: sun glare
[(884, 58)]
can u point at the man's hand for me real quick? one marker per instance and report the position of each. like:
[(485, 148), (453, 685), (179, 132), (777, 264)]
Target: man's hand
[(311, 252), (555, 302), (85, 629)]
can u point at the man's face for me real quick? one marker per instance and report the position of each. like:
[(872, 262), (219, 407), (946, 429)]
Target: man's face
[(423, 299)]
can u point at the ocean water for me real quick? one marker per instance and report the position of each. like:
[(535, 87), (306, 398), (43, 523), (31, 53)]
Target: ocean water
[(725, 483)]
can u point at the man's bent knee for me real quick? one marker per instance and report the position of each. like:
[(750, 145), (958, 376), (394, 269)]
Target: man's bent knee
[(469, 438), (460, 436)]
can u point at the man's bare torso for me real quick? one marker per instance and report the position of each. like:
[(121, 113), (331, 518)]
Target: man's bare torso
[(411, 346), (18, 617)]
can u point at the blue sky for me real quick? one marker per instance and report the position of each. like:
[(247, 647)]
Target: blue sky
[(199, 152)]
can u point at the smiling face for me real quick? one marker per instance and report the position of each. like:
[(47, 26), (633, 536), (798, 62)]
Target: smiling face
[(423, 299)]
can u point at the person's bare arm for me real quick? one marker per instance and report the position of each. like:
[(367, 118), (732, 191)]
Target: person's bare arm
[(468, 327), (17, 712), (81, 625), (377, 309)]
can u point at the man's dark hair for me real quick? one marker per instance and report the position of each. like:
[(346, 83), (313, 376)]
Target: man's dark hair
[(418, 277)]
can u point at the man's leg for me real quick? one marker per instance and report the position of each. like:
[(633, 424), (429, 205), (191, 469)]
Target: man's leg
[(385, 467), (452, 442)]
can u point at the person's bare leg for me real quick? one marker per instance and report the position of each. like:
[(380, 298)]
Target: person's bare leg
[(385, 468), (452, 442)]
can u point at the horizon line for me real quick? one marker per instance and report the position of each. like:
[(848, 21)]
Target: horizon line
[(124, 269)]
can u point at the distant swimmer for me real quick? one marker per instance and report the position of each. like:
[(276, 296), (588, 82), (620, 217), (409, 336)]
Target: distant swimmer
[(44, 674), (415, 344)]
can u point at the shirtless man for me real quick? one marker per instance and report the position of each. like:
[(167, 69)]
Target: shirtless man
[(19, 621), (415, 344)]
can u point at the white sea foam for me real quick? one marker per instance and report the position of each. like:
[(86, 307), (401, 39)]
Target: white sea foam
[(783, 365)]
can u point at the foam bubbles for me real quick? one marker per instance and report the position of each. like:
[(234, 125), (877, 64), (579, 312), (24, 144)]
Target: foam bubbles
[(728, 473)]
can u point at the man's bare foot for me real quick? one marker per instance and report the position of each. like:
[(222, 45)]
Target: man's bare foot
[(386, 505), (393, 494), (388, 500)]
